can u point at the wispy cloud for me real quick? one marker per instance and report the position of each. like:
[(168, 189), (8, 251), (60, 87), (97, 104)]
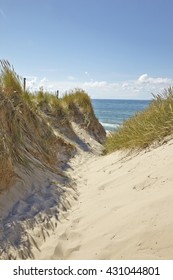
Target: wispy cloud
[(145, 79), (97, 84), (31, 82), (2, 14), (50, 70), (139, 88), (142, 87), (71, 78)]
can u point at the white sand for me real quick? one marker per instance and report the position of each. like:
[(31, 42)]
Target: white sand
[(124, 208)]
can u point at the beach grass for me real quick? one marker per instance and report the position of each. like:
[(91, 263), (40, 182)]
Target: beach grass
[(151, 125), (10, 81), (29, 122), (77, 98), (24, 130)]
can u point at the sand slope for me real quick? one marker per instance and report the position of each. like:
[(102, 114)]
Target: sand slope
[(124, 208)]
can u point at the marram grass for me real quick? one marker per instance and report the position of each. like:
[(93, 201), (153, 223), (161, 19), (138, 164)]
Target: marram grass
[(10, 82), (78, 98), (151, 125), (28, 123)]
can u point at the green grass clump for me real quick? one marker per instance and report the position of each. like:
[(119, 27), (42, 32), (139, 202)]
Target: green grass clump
[(50, 102), (152, 124), (78, 98), (10, 82)]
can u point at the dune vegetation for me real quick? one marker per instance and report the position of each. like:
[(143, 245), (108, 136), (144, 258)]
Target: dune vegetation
[(32, 125), (145, 128)]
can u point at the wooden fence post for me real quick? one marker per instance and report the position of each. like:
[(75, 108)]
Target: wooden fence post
[(24, 84)]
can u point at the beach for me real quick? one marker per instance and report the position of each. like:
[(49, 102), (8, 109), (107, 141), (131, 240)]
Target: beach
[(86, 136), (68, 191), (123, 208)]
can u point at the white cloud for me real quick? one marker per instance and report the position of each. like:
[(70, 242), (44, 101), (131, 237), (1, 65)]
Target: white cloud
[(31, 82), (140, 88), (71, 78), (143, 78), (125, 85), (96, 84), (44, 83), (146, 79)]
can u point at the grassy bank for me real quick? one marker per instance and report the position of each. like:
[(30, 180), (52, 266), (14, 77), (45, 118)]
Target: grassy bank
[(33, 125), (146, 127)]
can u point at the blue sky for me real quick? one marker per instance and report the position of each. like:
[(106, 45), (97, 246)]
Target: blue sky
[(111, 48)]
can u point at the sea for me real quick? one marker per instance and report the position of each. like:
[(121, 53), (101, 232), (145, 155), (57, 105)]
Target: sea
[(112, 112)]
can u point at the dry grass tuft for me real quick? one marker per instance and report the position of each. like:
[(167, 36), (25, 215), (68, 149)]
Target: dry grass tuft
[(24, 131), (10, 82), (28, 124), (149, 126)]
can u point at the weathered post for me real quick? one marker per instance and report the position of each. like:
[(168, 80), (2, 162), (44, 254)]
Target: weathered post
[(24, 84), (57, 93)]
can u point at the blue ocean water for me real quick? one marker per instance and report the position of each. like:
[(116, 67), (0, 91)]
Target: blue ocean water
[(112, 112)]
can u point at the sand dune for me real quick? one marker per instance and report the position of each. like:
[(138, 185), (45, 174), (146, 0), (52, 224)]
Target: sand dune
[(123, 211)]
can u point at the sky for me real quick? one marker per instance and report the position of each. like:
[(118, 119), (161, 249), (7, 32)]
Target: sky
[(118, 49)]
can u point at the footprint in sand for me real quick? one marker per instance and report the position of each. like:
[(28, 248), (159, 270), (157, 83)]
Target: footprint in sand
[(58, 253), (102, 187), (71, 250)]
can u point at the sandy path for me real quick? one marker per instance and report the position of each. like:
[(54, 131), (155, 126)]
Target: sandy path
[(124, 208)]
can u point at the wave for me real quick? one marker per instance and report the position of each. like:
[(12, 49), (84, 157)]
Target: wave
[(112, 125)]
